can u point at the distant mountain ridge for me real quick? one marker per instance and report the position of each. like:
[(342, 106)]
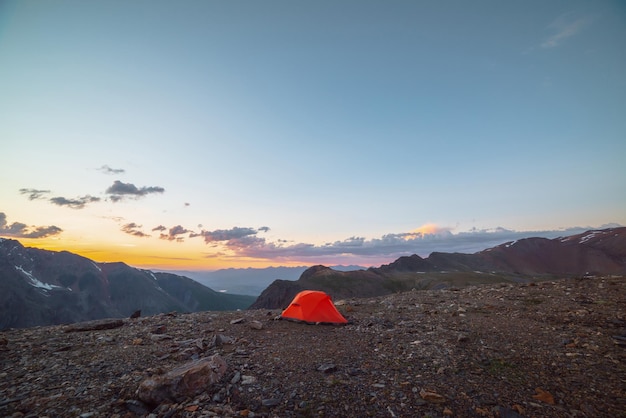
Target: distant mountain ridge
[(40, 287), (594, 252), (248, 281)]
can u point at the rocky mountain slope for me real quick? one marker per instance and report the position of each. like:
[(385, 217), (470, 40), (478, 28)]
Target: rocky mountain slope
[(39, 287), (596, 252), (542, 349)]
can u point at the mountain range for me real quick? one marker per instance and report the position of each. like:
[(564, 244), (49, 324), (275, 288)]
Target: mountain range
[(40, 287), (592, 253)]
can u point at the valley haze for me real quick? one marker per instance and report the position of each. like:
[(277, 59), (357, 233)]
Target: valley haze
[(249, 281)]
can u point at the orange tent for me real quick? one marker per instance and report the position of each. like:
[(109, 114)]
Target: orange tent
[(313, 306)]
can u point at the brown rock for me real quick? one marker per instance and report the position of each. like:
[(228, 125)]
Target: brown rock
[(256, 325), (432, 396), (159, 329), (182, 382), (98, 324), (544, 396)]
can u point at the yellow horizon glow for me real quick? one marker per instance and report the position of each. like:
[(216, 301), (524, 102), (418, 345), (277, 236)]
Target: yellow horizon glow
[(189, 255), (159, 256)]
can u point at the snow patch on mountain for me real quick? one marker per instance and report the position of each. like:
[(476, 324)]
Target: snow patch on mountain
[(590, 235), (33, 281)]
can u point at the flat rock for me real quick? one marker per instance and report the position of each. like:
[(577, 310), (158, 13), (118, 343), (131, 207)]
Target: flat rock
[(183, 382), (327, 368), (98, 324), (433, 397)]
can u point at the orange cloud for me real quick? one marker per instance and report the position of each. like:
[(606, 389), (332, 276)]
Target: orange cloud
[(426, 229)]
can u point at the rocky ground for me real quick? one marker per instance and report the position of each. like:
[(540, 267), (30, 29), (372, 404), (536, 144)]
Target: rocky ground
[(549, 349)]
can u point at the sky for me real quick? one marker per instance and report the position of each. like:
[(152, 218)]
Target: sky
[(214, 134)]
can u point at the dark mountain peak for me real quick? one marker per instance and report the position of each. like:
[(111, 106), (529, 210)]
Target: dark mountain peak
[(114, 265), (7, 243), (315, 270), (407, 263), (599, 238)]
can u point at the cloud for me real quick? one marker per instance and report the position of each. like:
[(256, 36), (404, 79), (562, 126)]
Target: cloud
[(108, 170), (78, 203), (175, 233), (34, 194), (118, 219), (422, 241), (564, 27), (216, 237), (227, 234), (134, 229), (119, 190), (20, 230)]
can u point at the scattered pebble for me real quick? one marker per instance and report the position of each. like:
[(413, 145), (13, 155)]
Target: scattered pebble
[(479, 351)]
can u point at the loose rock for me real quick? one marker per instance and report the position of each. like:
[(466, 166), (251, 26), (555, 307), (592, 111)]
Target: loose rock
[(327, 368), (182, 382), (520, 337), (95, 325), (256, 325), (432, 396)]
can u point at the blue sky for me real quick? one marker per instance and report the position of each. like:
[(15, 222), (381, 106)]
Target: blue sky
[(236, 133)]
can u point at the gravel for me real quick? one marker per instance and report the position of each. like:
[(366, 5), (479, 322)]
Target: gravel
[(545, 349)]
